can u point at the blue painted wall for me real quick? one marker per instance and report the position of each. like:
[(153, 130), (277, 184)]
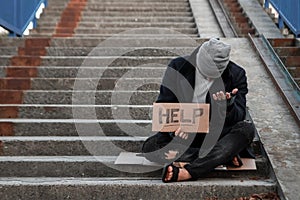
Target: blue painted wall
[(15, 15)]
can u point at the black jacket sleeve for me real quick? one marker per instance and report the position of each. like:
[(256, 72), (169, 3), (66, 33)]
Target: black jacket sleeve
[(168, 88), (236, 110)]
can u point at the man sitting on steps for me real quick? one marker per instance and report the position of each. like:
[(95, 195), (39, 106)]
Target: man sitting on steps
[(206, 76)]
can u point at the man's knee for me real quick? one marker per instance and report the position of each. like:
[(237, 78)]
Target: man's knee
[(246, 128), (149, 145), (156, 142)]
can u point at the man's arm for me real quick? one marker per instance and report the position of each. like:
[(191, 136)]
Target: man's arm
[(168, 87), (236, 107), (236, 99)]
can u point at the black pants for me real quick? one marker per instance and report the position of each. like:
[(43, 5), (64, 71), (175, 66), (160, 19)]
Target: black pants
[(229, 145)]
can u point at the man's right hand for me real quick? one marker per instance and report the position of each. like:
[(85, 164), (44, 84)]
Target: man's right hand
[(181, 134)]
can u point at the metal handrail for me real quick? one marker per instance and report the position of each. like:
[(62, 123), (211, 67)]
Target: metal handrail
[(286, 86), (282, 66)]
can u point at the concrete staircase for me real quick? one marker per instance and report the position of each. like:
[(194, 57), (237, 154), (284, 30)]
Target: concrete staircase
[(77, 92)]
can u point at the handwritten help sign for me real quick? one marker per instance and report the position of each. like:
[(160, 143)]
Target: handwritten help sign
[(191, 117)]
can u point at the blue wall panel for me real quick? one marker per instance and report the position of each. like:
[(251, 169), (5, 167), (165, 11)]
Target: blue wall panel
[(289, 13), (15, 15)]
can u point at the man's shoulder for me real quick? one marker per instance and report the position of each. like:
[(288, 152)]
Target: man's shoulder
[(178, 62), (182, 65), (235, 68)]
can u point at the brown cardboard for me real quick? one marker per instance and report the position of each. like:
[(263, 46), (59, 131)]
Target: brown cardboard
[(130, 158), (248, 164), (190, 117)]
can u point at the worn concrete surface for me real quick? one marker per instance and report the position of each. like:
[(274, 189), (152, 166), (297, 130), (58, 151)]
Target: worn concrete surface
[(277, 128), (260, 19), (116, 188), (205, 20)]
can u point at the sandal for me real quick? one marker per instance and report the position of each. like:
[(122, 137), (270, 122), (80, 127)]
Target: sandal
[(174, 177)]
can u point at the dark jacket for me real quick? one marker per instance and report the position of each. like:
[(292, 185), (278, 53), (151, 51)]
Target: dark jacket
[(179, 82)]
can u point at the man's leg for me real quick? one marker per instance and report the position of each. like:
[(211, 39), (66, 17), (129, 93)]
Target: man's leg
[(240, 136), (152, 146), (156, 147)]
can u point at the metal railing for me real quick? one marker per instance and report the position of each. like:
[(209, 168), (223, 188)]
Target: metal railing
[(18, 16), (289, 13)]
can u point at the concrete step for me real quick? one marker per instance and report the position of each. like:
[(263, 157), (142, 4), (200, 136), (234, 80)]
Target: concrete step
[(291, 61), (96, 2), (59, 5), (80, 146), (11, 42), (99, 32), (260, 20), (130, 19), (92, 10), (295, 72), (112, 51), (142, 112), (129, 188), (66, 127), (145, 38), (91, 2), (66, 166), (85, 60), (162, 13), (287, 51), (69, 146), (4, 60), (87, 24), (9, 50), (96, 166), (125, 51), (85, 72), (69, 127), (83, 97), (283, 42), (68, 83), (113, 30), (2, 72)]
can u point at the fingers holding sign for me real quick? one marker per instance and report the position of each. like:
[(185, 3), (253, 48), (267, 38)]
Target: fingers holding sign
[(181, 134)]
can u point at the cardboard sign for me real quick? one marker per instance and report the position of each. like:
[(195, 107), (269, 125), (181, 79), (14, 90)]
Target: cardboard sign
[(190, 117)]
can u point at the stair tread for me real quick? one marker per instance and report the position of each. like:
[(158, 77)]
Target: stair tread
[(128, 180), (125, 121), (71, 138)]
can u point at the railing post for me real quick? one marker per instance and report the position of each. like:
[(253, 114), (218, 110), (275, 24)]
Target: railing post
[(266, 5), (280, 22)]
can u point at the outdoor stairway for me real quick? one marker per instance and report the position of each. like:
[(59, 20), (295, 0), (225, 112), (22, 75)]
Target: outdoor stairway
[(75, 90), (289, 53)]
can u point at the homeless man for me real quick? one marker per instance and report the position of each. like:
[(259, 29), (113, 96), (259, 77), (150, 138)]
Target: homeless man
[(206, 76)]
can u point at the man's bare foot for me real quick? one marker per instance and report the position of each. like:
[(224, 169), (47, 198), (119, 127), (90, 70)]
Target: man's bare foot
[(171, 155), (180, 164), (182, 175), (235, 161)]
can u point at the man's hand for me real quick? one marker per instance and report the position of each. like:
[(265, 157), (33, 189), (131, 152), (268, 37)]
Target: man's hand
[(219, 96), (180, 133), (171, 155)]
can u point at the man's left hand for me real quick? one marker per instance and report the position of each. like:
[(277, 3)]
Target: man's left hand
[(219, 96)]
